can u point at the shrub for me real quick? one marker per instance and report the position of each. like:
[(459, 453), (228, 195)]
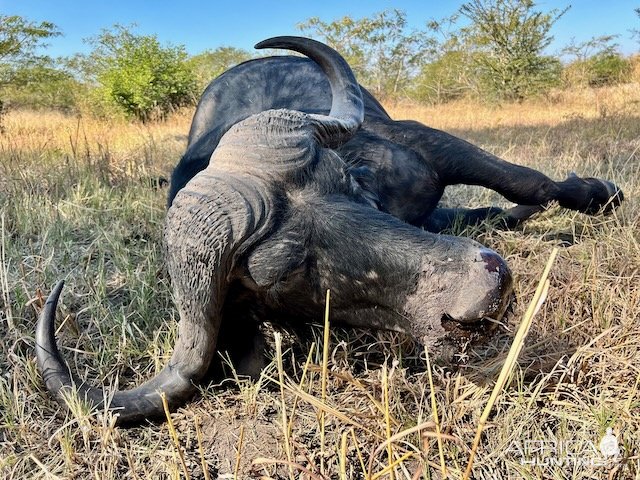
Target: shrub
[(139, 76), (211, 63), (445, 79), (609, 69), (41, 84), (599, 70)]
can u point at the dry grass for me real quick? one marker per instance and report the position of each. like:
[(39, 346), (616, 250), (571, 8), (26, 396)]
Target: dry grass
[(75, 203)]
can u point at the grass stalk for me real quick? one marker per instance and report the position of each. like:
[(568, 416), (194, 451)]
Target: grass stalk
[(536, 302), (283, 404), (323, 392), (343, 456), (43, 467), (174, 436), (236, 468), (423, 428), (301, 385), (358, 452), (4, 275), (392, 464), (434, 409), (387, 419), (291, 465), (203, 461), (323, 407)]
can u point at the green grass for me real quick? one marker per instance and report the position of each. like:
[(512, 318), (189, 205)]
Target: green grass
[(75, 205)]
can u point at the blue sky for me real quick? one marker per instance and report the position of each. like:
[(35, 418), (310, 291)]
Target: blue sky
[(241, 23)]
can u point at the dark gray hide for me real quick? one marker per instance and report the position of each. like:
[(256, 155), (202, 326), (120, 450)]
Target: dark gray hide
[(403, 167)]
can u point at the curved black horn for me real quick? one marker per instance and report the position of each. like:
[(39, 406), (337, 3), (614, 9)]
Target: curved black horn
[(347, 107), (135, 405), (203, 234)]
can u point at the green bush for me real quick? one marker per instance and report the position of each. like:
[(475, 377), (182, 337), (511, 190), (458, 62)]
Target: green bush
[(27, 79), (383, 54), (445, 79), (609, 69), (139, 76), (599, 70), (533, 76), (211, 63), (510, 37), (41, 85)]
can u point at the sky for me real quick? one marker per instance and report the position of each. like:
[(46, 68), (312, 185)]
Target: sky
[(242, 23)]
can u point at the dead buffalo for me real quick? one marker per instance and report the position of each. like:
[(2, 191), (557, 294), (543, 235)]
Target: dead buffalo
[(285, 210)]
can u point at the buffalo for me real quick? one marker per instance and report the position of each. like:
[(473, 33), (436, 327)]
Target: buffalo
[(295, 181)]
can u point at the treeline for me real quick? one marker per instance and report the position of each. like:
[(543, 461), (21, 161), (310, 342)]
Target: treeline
[(489, 49)]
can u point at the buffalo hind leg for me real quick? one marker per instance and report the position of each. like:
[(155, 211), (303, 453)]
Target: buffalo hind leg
[(457, 161), (446, 219)]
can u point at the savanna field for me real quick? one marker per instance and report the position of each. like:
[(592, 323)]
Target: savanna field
[(79, 201)]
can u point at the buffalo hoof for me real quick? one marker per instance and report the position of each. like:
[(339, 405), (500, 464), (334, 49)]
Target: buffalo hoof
[(615, 195), (598, 196)]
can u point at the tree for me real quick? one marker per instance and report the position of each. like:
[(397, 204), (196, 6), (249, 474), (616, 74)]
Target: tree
[(636, 31), (138, 75), (42, 83), (382, 54), (451, 71), (19, 40), (446, 78), (609, 68), (211, 63), (595, 62), (511, 37), (19, 37)]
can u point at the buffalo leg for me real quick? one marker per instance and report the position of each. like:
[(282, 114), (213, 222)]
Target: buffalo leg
[(457, 161), (473, 166), (448, 218)]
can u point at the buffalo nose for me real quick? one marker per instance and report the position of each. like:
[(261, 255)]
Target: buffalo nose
[(486, 290), (500, 286)]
